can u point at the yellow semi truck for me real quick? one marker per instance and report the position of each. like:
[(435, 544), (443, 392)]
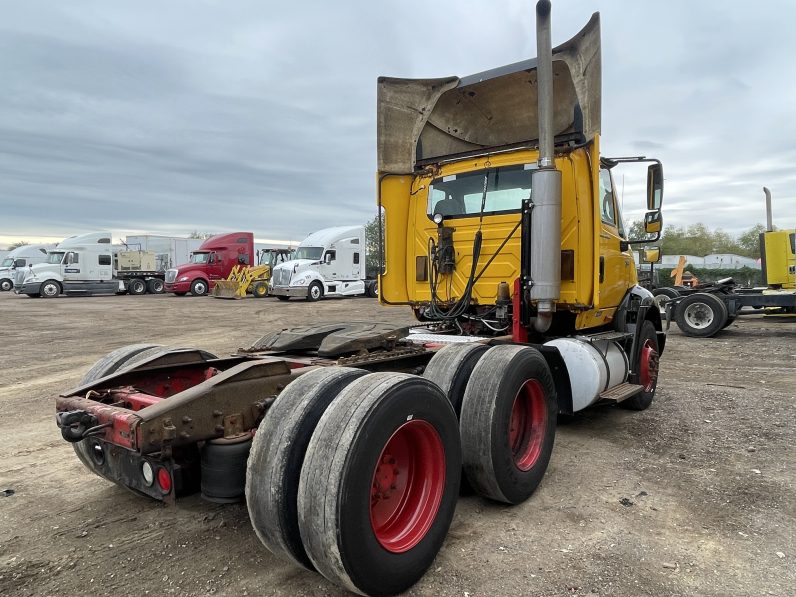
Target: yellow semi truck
[(706, 309), (349, 440)]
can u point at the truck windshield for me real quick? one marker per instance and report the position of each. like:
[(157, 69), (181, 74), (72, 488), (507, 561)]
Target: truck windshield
[(308, 253), (7, 262), (461, 194), (55, 257), (199, 257)]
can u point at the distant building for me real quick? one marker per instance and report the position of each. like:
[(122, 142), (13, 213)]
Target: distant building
[(671, 261), (713, 261), (716, 261), (729, 261)]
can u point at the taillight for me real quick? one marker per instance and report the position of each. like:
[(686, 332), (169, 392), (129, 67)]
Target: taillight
[(164, 480), (148, 473)]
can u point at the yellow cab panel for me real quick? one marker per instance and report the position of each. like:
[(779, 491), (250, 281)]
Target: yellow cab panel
[(410, 202)]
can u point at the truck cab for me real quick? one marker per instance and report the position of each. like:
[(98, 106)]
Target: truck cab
[(494, 219), (330, 262), (14, 265), (778, 253), (212, 261), (79, 264)]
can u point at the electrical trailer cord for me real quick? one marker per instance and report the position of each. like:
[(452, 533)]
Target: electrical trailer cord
[(459, 308)]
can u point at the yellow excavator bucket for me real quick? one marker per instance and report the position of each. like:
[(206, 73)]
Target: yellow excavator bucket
[(240, 279)]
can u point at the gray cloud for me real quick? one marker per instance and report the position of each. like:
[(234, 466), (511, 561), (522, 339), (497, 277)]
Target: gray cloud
[(220, 116)]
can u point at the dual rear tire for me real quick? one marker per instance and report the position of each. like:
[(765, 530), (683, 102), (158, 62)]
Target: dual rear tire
[(357, 475), (701, 315), (155, 286), (508, 423), (137, 287)]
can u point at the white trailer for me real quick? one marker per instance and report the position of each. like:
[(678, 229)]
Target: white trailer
[(15, 263), (90, 264), (170, 251), (330, 262)]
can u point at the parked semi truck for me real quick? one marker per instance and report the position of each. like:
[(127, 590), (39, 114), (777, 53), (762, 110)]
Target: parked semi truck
[(705, 309), (15, 263), (329, 262), (501, 223), (90, 264), (212, 261)]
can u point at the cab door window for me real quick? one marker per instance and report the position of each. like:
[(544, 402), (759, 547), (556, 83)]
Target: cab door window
[(606, 198)]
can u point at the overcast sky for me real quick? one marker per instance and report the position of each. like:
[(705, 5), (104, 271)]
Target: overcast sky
[(168, 117)]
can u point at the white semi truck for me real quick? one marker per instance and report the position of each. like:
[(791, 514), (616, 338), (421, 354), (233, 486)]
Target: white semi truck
[(90, 264), (16, 262), (330, 262)]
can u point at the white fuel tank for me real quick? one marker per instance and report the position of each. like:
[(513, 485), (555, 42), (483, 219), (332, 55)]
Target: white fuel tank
[(593, 367)]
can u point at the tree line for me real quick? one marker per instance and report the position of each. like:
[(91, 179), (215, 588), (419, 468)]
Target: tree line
[(700, 240)]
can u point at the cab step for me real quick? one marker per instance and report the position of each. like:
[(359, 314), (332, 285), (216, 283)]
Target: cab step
[(621, 392)]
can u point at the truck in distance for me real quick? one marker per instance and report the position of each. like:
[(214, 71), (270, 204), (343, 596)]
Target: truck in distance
[(705, 309), (89, 264), (501, 223), (16, 262), (211, 262), (329, 262)]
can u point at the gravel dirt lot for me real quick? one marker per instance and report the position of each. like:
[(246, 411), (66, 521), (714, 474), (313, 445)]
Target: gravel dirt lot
[(694, 496)]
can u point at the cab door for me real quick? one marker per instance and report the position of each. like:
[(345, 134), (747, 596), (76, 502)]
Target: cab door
[(328, 267), (71, 267), (104, 267), (617, 268), (215, 266), (354, 256)]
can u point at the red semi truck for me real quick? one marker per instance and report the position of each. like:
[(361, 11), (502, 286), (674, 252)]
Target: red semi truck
[(213, 260)]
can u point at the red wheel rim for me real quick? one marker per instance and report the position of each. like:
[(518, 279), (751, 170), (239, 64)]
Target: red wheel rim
[(528, 424), (407, 486), (648, 366)]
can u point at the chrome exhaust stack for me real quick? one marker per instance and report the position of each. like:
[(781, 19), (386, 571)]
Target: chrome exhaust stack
[(769, 217), (545, 263)]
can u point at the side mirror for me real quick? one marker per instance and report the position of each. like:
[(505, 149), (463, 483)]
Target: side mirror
[(651, 255), (655, 186), (653, 222), (327, 259)]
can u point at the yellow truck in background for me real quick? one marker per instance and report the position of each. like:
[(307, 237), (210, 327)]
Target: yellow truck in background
[(706, 309)]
